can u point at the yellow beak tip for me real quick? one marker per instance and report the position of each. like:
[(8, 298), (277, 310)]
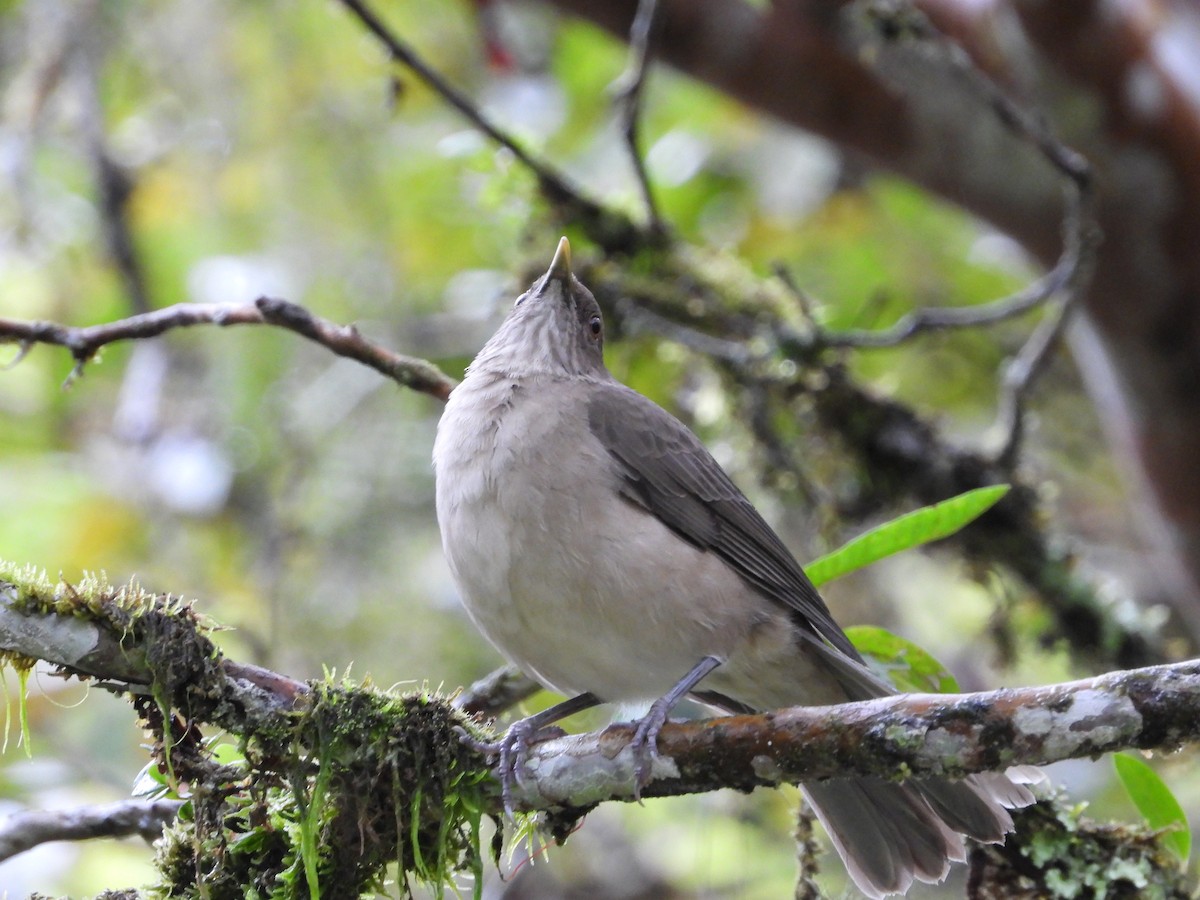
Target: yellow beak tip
[(560, 266)]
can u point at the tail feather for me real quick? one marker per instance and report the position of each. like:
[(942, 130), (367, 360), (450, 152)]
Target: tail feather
[(885, 833), (889, 834), (968, 807)]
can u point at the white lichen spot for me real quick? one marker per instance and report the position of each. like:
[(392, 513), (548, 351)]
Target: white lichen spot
[(1100, 716), (1033, 720), (940, 742), (766, 768)]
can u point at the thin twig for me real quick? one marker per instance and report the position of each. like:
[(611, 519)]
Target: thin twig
[(1026, 367), (605, 226), (24, 830), (937, 318), (1020, 374), (496, 692), (1081, 234), (897, 21), (628, 91), (344, 340)]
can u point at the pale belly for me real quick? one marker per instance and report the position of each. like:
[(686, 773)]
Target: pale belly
[(588, 592)]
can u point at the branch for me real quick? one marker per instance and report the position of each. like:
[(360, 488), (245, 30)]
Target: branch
[(411, 372), (347, 751), (25, 830), (135, 638), (605, 226), (902, 24), (918, 734), (629, 88), (496, 692), (55, 628)]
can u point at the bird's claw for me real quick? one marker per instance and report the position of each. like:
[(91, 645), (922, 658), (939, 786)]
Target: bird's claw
[(511, 752), (645, 747)]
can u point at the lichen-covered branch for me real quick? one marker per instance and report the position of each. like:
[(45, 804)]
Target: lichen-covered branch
[(133, 641), (334, 773), (915, 734)]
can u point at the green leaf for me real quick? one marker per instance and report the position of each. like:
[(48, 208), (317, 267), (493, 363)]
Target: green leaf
[(910, 530), (1155, 801), (905, 664)]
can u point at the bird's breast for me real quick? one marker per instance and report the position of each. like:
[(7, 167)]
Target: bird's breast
[(572, 582)]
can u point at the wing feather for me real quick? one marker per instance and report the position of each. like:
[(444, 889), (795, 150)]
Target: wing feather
[(668, 472)]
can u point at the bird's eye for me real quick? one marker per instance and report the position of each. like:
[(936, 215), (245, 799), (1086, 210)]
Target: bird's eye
[(595, 326)]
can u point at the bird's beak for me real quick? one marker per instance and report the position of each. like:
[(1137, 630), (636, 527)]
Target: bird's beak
[(560, 266)]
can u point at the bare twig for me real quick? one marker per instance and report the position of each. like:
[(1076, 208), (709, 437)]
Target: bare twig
[(24, 830), (628, 90), (496, 692), (605, 226), (1023, 370), (942, 318), (898, 21), (1020, 375), (344, 340)]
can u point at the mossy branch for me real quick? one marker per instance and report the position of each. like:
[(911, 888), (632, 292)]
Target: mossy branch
[(331, 766)]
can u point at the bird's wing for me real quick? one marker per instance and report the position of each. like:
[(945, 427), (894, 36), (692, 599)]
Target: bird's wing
[(668, 472)]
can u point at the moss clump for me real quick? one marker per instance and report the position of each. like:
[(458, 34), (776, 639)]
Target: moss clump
[(162, 638), (366, 779), (329, 788)]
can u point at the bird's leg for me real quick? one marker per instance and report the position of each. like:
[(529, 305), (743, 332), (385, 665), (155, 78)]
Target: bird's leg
[(645, 738), (513, 747)]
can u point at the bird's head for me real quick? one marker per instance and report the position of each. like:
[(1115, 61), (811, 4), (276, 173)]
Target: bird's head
[(555, 328)]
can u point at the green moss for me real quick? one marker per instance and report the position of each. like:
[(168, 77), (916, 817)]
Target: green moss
[(320, 801), (364, 779)]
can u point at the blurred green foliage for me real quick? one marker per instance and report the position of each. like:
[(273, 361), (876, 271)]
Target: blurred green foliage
[(271, 149)]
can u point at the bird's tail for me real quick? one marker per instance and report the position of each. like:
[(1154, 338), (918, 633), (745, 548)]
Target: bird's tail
[(889, 834)]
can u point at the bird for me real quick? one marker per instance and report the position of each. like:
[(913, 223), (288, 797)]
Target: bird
[(601, 548)]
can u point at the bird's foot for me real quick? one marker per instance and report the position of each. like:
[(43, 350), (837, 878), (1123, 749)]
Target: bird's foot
[(511, 752), (645, 737), (645, 743)]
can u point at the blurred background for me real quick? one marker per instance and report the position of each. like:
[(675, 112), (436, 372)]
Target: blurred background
[(271, 149)]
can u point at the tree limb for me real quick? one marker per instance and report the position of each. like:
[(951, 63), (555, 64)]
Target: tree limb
[(344, 340), (915, 734), (28, 829), (360, 755)]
